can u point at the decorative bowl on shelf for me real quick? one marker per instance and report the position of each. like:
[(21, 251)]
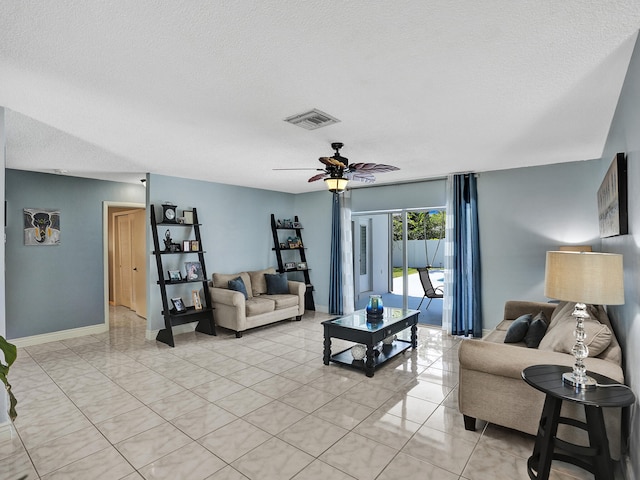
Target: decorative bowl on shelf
[(389, 340), (358, 351)]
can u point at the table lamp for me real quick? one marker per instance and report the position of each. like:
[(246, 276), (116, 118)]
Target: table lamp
[(584, 278)]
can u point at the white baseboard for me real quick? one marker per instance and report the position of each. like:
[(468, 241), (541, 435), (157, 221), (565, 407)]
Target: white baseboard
[(57, 336), (6, 432)]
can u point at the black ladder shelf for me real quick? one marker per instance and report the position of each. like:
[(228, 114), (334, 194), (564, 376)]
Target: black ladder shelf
[(309, 304), (204, 316)]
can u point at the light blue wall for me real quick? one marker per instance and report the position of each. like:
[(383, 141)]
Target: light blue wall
[(624, 136), (236, 229), (314, 212), (523, 213), (53, 288)]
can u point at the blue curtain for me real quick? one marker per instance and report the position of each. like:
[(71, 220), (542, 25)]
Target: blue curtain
[(335, 268), (466, 302)]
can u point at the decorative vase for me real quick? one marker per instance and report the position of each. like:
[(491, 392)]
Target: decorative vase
[(375, 307)]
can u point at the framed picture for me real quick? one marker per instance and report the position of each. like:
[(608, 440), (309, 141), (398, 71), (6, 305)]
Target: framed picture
[(290, 265), (186, 246), (294, 242), (302, 266), (195, 245), (297, 225), (194, 271), (195, 297), (612, 199), (41, 226), (188, 217), (178, 305), (175, 276)]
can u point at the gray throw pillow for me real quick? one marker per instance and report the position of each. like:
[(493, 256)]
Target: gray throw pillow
[(518, 329), (277, 283), (237, 284), (536, 331)]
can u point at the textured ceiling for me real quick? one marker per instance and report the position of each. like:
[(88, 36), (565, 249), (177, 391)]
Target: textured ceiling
[(199, 89)]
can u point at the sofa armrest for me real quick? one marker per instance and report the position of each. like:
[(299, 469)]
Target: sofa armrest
[(227, 297), (299, 289), (516, 308), (508, 360)]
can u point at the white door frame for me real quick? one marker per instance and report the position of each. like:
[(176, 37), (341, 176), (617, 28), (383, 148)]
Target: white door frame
[(105, 248)]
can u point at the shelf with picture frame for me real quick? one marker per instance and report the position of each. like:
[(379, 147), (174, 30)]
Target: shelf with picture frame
[(291, 252), (175, 309)]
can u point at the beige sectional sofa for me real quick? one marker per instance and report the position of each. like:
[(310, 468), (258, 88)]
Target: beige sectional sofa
[(491, 386), (235, 312)]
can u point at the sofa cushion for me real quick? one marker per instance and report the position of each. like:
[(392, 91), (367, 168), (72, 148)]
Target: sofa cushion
[(561, 337), (238, 285), (258, 282), (277, 284), (536, 331), (221, 280), (284, 301), (518, 329), (258, 305)]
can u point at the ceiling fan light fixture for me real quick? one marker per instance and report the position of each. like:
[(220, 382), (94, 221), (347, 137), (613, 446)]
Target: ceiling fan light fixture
[(336, 184)]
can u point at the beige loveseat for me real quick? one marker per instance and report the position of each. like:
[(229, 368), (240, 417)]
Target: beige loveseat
[(236, 313), (491, 386)]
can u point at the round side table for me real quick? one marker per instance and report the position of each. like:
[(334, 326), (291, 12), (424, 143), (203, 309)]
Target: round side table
[(596, 457)]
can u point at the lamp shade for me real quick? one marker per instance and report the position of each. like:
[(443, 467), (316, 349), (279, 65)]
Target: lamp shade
[(575, 248), (584, 277), (336, 184)]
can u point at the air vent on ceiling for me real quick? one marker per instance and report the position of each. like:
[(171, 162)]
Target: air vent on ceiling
[(312, 119)]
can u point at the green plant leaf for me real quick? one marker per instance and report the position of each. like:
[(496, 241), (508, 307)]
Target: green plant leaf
[(9, 350)]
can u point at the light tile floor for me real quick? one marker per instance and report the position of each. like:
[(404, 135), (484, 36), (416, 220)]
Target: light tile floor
[(117, 406)]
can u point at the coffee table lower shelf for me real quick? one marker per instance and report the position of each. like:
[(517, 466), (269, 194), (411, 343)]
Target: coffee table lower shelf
[(386, 353)]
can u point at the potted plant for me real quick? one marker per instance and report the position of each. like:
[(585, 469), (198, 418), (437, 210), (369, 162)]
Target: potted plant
[(10, 353)]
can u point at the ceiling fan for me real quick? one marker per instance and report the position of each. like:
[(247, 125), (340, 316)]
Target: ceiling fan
[(338, 171)]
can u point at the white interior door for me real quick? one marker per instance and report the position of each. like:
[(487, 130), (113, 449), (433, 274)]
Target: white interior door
[(139, 265), (124, 295)]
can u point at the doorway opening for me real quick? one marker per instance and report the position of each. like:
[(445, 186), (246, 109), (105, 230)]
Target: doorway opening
[(393, 245), (125, 259)]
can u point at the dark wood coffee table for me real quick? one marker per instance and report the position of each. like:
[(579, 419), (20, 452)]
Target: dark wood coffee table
[(356, 328)]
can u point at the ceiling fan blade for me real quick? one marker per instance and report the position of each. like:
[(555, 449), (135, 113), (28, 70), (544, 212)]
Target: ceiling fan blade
[(360, 176), (317, 177), (329, 161), (372, 167)]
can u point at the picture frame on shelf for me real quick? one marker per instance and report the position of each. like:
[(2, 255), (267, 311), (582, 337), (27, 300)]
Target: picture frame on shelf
[(175, 276), (194, 271), (195, 297), (178, 305), (301, 266), (290, 265), (195, 246), (188, 217), (186, 246), (294, 242)]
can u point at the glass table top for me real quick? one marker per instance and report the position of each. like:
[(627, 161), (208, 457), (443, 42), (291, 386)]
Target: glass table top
[(358, 320)]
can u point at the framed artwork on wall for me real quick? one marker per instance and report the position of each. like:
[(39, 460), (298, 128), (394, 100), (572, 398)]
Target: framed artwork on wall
[(612, 199), (41, 226)]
